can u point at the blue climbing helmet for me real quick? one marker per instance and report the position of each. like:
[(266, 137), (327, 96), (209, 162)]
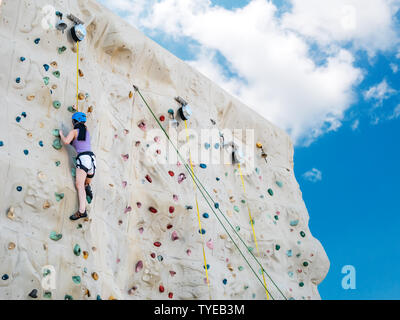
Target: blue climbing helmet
[(79, 117)]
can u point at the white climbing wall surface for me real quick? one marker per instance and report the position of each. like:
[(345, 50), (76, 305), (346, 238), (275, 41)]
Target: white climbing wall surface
[(142, 239)]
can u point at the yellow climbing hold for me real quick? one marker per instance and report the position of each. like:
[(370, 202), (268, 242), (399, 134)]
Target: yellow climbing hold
[(30, 98), (11, 246), (95, 276), (130, 94), (85, 255), (46, 205), (10, 213), (259, 145), (81, 96)]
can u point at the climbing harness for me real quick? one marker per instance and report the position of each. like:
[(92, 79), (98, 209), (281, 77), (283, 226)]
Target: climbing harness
[(215, 205)]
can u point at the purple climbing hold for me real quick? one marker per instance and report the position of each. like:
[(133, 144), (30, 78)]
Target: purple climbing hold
[(174, 236), (139, 266), (181, 178), (128, 209)]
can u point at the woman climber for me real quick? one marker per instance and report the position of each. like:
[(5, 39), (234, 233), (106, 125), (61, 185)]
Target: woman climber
[(79, 138)]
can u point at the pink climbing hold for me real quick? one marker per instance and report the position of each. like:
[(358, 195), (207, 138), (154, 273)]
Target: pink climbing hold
[(141, 230), (139, 266), (126, 131), (125, 157), (158, 151), (178, 164), (181, 178), (171, 173), (139, 204), (148, 178), (171, 209), (175, 197), (172, 273), (174, 236), (124, 184), (142, 126), (210, 244), (157, 139), (188, 252), (128, 209)]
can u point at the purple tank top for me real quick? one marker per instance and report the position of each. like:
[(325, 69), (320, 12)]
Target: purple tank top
[(82, 146)]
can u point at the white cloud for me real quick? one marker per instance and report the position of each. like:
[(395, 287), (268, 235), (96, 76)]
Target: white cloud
[(355, 125), (396, 113), (394, 67), (313, 175), (379, 93), (278, 73)]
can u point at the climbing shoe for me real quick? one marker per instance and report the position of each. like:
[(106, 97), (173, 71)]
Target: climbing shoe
[(78, 215), (89, 192)]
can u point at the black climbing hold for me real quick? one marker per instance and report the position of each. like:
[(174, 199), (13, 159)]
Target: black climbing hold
[(33, 294)]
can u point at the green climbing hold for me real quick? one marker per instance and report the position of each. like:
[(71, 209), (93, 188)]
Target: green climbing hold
[(301, 284), (46, 272), (250, 249), (77, 250), (271, 192), (277, 247), (237, 228), (59, 196), (57, 104), (46, 80), (305, 264), (243, 201), (58, 163), (71, 109), (68, 297), (276, 217), (55, 236), (279, 184), (47, 295), (57, 144), (56, 132), (236, 208), (56, 74), (76, 279), (62, 49), (302, 234), (241, 268)]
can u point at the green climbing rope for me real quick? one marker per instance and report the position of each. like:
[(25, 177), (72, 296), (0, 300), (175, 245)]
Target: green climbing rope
[(198, 183)]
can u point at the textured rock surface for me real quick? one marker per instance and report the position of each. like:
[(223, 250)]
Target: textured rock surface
[(117, 253)]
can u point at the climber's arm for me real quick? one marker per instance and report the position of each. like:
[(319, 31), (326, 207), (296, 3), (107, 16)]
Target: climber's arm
[(68, 139)]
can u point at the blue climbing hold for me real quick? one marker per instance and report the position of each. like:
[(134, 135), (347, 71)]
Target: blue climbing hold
[(46, 67), (216, 146), (279, 184), (19, 188), (225, 281), (217, 179), (208, 267), (203, 166), (294, 223), (41, 144), (18, 119), (18, 80), (26, 152), (22, 59), (289, 253), (207, 145), (98, 297), (37, 40), (23, 114), (170, 111), (202, 231), (216, 205), (1, 143), (5, 277), (206, 215)]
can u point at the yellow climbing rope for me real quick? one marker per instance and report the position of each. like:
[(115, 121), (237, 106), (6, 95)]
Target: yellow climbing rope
[(252, 227), (198, 212), (77, 76)]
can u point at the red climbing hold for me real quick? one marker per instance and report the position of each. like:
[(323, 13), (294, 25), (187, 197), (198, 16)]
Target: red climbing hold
[(148, 178), (170, 295), (153, 210), (162, 118), (171, 209), (169, 226), (157, 244), (153, 255), (161, 288), (171, 173)]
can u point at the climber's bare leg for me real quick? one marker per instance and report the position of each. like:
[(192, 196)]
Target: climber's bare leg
[(80, 187)]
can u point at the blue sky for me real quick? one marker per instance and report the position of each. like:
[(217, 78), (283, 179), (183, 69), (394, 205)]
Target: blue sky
[(334, 87)]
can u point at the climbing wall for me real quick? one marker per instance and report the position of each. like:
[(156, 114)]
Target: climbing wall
[(142, 238)]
